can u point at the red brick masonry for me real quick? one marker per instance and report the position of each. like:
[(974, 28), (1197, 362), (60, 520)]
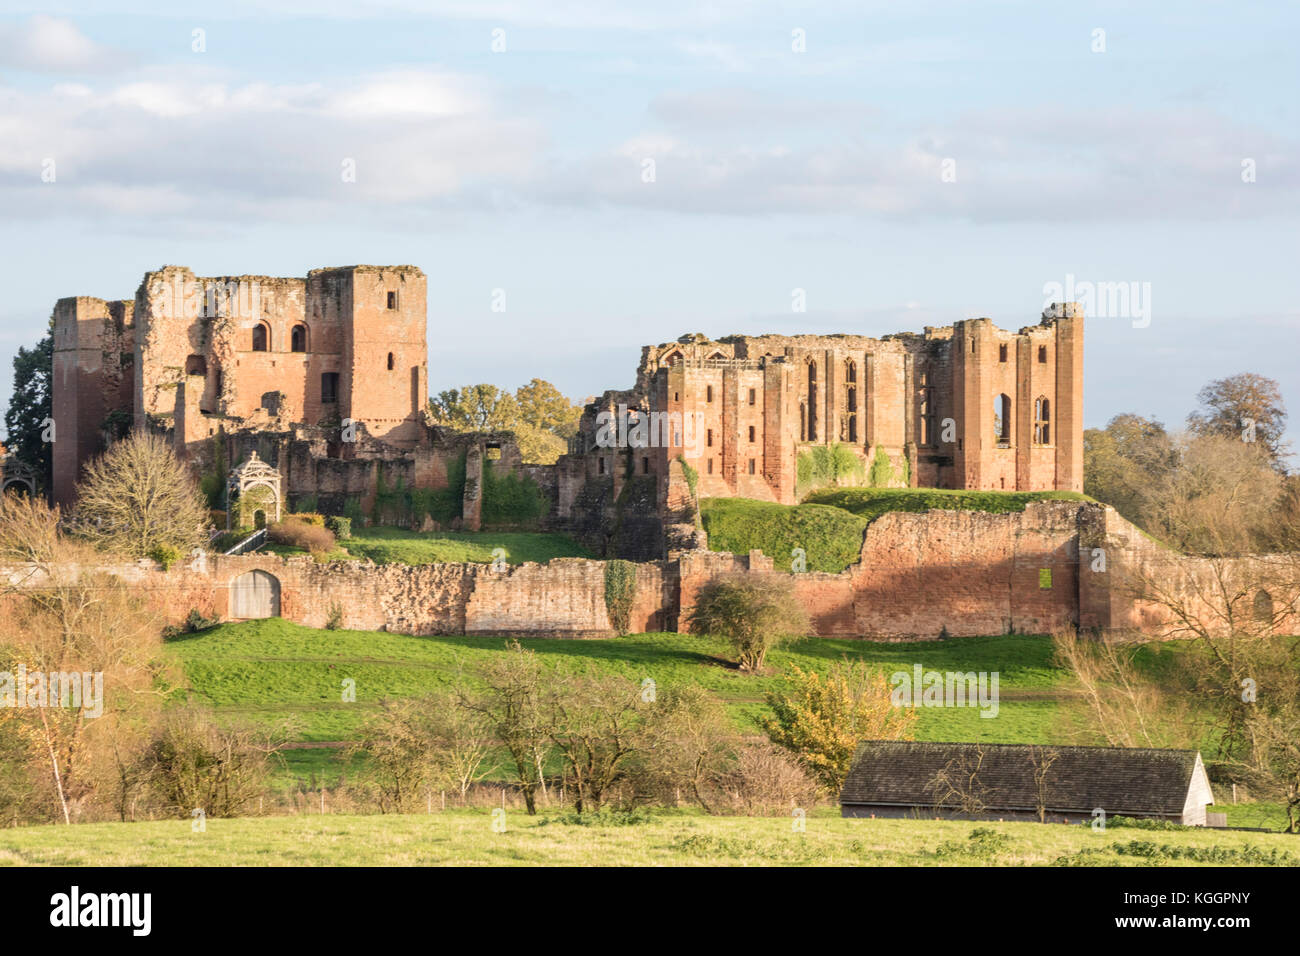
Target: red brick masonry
[(966, 573)]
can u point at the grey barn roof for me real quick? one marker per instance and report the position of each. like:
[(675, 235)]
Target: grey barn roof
[(903, 772)]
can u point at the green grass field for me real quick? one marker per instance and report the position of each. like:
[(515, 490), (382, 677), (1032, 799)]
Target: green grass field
[(400, 546), (270, 670), (669, 838)]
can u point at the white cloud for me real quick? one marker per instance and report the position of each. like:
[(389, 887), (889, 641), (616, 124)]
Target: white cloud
[(48, 44), (173, 144)]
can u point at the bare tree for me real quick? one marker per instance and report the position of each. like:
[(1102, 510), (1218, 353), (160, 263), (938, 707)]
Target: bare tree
[(957, 788), (461, 739), (1123, 707), (195, 763), (400, 754), (1041, 760), (595, 723), (137, 498), (1240, 616), (512, 703), (66, 618), (691, 742)]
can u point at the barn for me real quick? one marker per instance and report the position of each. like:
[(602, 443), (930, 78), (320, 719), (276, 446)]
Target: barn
[(979, 781)]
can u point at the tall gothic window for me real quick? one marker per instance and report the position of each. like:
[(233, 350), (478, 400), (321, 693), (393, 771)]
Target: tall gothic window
[(1002, 420), (812, 400), (1042, 422), (851, 398), (925, 402)]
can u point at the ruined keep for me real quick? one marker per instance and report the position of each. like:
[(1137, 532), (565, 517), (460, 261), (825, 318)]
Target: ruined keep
[(325, 378), (966, 406)]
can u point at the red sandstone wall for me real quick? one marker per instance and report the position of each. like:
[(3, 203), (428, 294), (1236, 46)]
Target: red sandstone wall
[(968, 573)]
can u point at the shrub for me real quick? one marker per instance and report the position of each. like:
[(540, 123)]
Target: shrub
[(340, 525), (766, 780), (821, 719), (836, 464), (193, 762), (300, 534), (193, 623), (165, 554), (755, 614), (308, 517)]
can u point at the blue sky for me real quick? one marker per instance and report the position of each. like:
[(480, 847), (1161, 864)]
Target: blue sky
[(775, 170)]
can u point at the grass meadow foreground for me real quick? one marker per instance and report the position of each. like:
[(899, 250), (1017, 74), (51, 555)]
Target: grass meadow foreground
[(667, 838)]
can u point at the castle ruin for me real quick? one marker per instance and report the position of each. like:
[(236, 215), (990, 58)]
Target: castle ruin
[(326, 378)]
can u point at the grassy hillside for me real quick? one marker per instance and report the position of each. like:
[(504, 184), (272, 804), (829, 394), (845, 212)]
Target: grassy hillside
[(272, 670), (830, 537), (871, 503), (466, 838)]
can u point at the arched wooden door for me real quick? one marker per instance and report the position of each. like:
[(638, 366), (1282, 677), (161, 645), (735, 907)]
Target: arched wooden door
[(255, 594)]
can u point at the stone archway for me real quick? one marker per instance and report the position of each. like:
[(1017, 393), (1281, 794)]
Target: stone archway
[(254, 486), (255, 594), (16, 476)]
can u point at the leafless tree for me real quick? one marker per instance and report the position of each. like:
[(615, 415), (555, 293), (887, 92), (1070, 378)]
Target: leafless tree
[(137, 497)]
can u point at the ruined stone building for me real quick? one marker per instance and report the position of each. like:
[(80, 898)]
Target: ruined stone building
[(250, 356), (326, 378), (966, 406)]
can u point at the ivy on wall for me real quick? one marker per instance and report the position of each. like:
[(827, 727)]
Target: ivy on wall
[(399, 505), (620, 591), (510, 498)]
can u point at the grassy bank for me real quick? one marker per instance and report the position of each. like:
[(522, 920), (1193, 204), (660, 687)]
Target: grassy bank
[(399, 546), (466, 838), (871, 503), (831, 538)]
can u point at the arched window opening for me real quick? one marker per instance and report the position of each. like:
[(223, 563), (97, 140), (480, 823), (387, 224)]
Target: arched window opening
[(1042, 422), (1002, 420), (261, 337), (1263, 608), (812, 401), (298, 338), (925, 405)]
